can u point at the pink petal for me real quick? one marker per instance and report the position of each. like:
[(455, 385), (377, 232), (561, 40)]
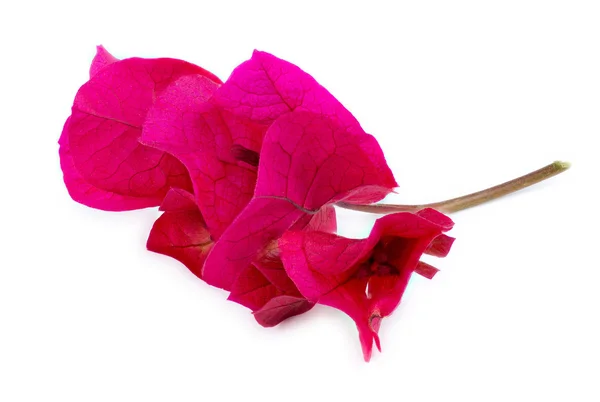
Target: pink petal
[(102, 59), (306, 162), (324, 220), (310, 160), (85, 193), (270, 303), (325, 253), (103, 131), (438, 218), (328, 269), (236, 249), (265, 87), (183, 124), (271, 266), (178, 200), (281, 308), (320, 265), (181, 233), (440, 246), (350, 298), (252, 289), (385, 292), (426, 270)]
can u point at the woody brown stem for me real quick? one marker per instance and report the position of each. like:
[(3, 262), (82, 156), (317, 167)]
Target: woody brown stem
[(469, 200)]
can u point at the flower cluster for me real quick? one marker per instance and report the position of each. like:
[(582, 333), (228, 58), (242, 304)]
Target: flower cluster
[(246, 173)]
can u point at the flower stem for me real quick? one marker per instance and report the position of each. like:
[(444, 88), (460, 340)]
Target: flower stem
[(469, 200)]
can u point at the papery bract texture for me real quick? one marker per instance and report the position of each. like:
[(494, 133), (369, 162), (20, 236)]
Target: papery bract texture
[(219, 141), (180, 232), (307, 161), (247, 173), (265, 87), (104, 164), (216, 148), (269, 303), (281, 308), (102, 59), (336, 271), (264, 280)]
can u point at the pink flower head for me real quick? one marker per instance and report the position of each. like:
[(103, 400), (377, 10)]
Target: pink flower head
[(247, 173), (366, 278)]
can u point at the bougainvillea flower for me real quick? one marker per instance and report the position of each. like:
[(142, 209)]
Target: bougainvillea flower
[(307, 161), (365, 278), (104, 164)]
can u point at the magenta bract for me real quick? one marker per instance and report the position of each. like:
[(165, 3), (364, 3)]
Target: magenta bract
[(103, 162), (180, 232), (337, 271)]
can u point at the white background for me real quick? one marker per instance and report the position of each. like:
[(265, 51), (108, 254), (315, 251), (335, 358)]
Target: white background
[(461, 95)]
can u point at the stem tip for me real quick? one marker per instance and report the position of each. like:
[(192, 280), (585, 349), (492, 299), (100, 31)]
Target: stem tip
[(562, 165)]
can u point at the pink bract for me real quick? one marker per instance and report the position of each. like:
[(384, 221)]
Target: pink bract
[(337, 271), (281, 308), (180, 232), (104, 164), (102, 59)]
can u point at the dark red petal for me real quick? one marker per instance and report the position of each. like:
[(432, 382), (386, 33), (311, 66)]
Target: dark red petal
[(271, 266), (178, 200), (181, 234), (281, 308), (440, 246), (252, 289), (426, 270), (270, 303)]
